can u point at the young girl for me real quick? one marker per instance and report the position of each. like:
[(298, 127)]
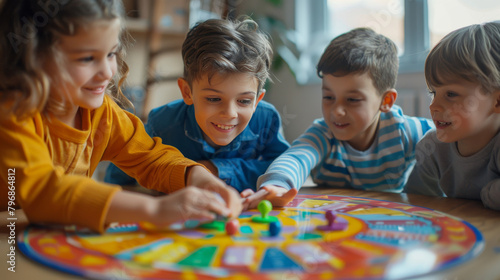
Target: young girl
[(461, 158), (62, 68)]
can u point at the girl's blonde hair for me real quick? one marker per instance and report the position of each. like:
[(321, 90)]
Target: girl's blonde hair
[(471, 53), (30, 29)]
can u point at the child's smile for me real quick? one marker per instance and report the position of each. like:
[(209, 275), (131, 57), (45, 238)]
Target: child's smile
[(340, 125), (441, 124), (224, 128), (98, 90)]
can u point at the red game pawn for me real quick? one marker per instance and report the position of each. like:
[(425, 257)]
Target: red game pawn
[(232, 227), (334, 223)]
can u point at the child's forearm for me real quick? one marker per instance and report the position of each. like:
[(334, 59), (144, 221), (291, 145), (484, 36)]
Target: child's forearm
[(210, 166), (180, 206), (130, 207)]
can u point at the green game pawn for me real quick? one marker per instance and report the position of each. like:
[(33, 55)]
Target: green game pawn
[(216, 225), (264, 208)]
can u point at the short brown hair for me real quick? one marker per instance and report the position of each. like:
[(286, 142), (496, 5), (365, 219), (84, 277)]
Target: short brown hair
[(471, 53), (218, 46), (358, 51)]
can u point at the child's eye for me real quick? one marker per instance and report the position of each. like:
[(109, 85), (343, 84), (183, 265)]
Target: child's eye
[(111, 54), (353, 99), (451, 94), (431, 93), (246, 101), (213, 99), (86, 59)]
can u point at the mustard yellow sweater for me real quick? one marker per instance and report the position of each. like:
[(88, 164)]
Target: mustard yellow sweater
[(52, 164)]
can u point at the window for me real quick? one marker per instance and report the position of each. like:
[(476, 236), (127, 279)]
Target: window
[(414, 25), (443, 19), (383, 16)]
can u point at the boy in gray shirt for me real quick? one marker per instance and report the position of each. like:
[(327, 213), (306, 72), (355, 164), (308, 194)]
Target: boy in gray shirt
[(461, 158)]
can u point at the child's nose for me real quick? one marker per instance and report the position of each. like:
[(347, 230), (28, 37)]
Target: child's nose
[(106, 70), (339, 110), (230, 111), (435, 105)]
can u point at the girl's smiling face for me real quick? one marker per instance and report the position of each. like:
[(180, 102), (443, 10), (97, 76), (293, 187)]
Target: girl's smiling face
[(223, 106), (88, 64)]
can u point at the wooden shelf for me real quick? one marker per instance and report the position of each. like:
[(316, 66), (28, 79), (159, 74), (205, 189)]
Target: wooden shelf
[(143, 26), (161, 26)]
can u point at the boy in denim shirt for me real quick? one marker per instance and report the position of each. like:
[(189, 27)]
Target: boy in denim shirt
[(222, 121)]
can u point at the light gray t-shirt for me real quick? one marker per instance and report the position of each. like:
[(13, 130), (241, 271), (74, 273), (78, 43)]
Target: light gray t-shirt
[(441, 171)]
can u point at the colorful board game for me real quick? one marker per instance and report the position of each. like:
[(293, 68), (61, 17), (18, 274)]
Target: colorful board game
[(375, 239)]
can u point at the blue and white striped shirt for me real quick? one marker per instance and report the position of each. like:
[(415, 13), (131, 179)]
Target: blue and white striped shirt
[(385, 166)]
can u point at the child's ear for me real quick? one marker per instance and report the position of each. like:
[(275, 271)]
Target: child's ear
[(260, 97), (388, 99), (497, 103), (185, 91)]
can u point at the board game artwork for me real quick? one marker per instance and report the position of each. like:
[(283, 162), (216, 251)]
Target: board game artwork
[(313, 237)]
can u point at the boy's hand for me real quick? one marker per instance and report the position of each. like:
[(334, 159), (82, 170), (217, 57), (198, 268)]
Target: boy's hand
[(200, 177), (278, 196)]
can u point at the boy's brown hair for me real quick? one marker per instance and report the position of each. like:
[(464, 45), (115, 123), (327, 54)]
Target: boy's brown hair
[(358, 51), (471, 53), (218, 46)]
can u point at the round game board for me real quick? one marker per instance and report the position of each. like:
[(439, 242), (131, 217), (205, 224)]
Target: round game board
[(382, 240)]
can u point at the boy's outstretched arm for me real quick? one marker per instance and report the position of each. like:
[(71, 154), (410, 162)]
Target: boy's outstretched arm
[(278, 196)]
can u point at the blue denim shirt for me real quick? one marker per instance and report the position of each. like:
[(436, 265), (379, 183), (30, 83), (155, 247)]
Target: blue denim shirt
[(239, 163)]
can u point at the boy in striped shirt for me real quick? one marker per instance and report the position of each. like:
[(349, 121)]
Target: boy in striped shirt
[(363, 141)]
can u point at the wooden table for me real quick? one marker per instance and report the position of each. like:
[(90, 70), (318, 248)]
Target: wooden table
[(486, 266)]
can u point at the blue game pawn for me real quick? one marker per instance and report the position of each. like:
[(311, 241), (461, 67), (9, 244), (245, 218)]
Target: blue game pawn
[(274, 228)]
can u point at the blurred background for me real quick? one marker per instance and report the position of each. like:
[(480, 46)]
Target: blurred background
[(299, 30)]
